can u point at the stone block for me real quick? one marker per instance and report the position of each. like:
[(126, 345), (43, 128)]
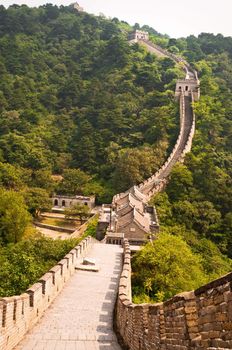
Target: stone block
[(190, 309), (89, 261), (91, 268), (221, 317), (227, 326), (228, 296), (218, 343), (218, 299), (213, 334)]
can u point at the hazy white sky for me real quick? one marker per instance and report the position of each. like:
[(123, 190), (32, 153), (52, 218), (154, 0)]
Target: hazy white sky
[(176, 18)]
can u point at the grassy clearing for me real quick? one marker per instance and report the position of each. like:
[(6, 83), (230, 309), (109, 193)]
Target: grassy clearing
[(61, 222)]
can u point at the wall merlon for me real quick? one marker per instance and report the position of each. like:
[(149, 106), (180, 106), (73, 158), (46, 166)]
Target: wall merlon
[(35, 294), (125, 273), (56, 274), (64, 266), (122, 293), (80, 248), (128, 304), (47, 281), (35, 288), (69, 258), (78, 251), (74, 251), (214, 284)]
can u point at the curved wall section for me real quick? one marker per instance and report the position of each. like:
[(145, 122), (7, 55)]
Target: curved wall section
[(156, 182), (188, 91), (196, 320)]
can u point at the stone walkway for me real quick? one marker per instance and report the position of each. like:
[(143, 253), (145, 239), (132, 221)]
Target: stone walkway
[(81, 317)]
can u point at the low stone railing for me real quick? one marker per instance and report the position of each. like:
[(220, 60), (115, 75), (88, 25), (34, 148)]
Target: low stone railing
[(199, 320), (19, 313)]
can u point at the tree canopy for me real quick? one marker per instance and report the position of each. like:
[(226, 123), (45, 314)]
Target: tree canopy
[(166, 267), (14, 217)]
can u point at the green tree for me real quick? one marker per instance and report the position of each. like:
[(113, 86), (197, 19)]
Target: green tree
[(213, 262), (74, 182), (181, 181), (132, 166), (166, 267), (11, 177), (207, 217), (37, 200), (14, 217), (78, 210)]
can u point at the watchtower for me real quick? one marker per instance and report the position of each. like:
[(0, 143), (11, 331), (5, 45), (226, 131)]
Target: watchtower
[(138, 35), (77, 7), (188, 86)]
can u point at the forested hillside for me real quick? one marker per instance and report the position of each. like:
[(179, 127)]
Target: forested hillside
[(78, 101), (74, 94)]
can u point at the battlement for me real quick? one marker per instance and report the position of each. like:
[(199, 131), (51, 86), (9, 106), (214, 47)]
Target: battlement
[(18, 314)]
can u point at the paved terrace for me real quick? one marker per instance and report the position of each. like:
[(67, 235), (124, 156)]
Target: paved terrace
[(81, 317)]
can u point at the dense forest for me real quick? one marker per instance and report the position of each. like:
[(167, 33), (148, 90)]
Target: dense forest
[(77, 100), (74, 94)]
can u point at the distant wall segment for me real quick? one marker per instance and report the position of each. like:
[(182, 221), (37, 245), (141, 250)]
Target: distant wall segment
[(196, 320), (18, 314), (158, 181)]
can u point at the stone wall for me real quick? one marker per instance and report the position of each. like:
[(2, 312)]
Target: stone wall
[(64, 201), (200, 319), (162, 183), (19, 313)]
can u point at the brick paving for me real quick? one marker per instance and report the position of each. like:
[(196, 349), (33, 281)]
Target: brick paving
[(81, 317)]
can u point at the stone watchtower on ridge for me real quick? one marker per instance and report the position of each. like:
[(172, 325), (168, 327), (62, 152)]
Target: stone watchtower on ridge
[(138, 35), (188, 86), (77, 7)]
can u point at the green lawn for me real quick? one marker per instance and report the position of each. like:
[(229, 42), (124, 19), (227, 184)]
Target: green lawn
[(61, 222)]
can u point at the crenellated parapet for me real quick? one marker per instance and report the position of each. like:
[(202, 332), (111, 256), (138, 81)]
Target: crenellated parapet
[(18, 314)]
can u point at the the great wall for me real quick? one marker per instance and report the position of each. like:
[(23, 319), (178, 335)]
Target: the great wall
[(200, 319), (130, 216)]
